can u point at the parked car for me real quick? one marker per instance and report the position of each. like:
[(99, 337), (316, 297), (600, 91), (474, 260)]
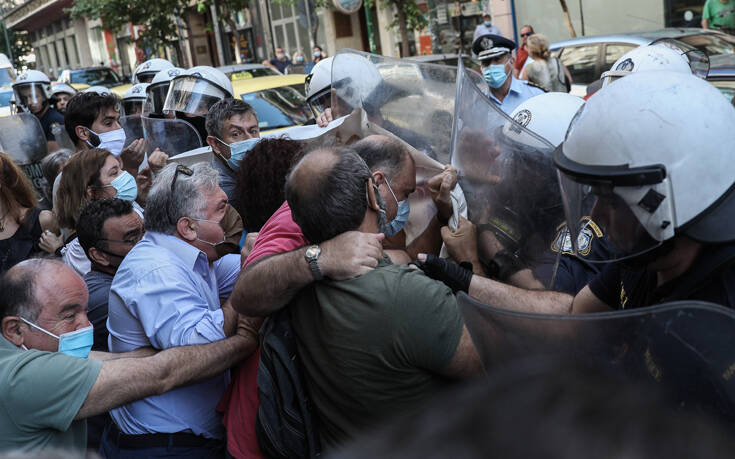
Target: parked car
[(91, 76), (588, 57), (722, 74), (278, 100), (238, 72)]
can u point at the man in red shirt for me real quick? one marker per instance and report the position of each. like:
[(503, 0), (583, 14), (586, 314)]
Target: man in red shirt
[(522, 53)]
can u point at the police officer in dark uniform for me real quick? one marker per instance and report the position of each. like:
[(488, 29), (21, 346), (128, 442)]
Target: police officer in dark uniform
[(32, 94), (634, 161), (496, 58)]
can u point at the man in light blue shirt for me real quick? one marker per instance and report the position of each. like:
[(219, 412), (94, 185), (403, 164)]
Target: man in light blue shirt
[(166, 293), (496, 59), (485, 27)]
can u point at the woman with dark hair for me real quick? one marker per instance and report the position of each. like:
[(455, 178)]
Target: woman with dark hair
[(262, 177), (21, 223), (89, 175)]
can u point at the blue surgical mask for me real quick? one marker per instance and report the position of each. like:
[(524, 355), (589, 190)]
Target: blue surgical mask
[(238, 150), (317, 53), (125, 186), (76, 343), (488, 23), (399, 222), (299, 59), (495, 75)]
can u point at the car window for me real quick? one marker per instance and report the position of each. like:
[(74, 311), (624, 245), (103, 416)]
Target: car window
[(613, 53), (582, 63), (95, 77), (5, 98), (278, 107), (711, 44)]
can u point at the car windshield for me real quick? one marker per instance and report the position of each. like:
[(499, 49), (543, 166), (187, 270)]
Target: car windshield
[(727, 88), (5, 98), (95, 77), (711, 44), (250, 73), (278, 107), (6, 77)]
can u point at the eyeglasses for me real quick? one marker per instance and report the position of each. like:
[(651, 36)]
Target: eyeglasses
[(132, 240), (180, 169), (526, 34)]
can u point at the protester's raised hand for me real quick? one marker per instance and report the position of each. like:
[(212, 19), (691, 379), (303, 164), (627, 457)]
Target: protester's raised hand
[(461, 243), (350, 254), (157, 160), (325, 118), (440, 186), (132, 156)]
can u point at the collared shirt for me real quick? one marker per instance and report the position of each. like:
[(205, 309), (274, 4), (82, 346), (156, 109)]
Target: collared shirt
[(167, 294), (227, 179), (519, 92)]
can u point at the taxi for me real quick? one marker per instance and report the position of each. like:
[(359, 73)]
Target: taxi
[(278, 100)]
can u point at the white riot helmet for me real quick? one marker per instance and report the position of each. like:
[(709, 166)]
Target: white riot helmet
[(133, 99), (653, 175), (32, 89), (195, 90), (101, 90), (354, 78), (157, 91), (145, 72), (657, 56), (318, 85), (62, 88), (547, 115)]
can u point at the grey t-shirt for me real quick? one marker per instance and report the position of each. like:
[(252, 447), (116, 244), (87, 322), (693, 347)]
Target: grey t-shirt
[(41, 394)]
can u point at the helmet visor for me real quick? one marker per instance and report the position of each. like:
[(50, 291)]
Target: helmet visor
[(636, 219), (145, 77), (192, 95), (320, 101), (155, 98), (132, 107), (29, 95)]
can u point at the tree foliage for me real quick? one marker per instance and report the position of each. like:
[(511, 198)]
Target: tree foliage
[(19, 44)]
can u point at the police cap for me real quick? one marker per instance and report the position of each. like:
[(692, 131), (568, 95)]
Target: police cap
[(489, 46)]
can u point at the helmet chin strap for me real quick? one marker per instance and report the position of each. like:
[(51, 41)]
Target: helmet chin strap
[(640, 262)]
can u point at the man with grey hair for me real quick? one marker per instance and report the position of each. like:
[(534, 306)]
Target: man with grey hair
[(376, 345), (167, 293), (50, 387), (231, 124)]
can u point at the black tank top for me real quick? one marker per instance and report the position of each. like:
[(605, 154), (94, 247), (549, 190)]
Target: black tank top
[(23, 244)]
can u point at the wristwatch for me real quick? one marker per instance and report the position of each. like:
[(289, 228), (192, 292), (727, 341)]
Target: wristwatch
[(312, 256)]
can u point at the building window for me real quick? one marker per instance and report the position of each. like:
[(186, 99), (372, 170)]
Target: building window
[(287, 32)]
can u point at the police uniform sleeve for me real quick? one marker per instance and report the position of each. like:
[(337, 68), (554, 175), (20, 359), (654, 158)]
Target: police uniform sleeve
[(606, 285), (46, 389), (427, 323)]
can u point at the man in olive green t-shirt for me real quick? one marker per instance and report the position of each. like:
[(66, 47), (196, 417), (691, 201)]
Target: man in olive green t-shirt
[(718, 14), (382, 343), (47, 395)]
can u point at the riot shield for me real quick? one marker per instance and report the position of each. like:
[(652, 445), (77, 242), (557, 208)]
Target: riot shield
[(133, 126), (172, 136), (686, 347), (412, 100), (509, 180), (22, 138)]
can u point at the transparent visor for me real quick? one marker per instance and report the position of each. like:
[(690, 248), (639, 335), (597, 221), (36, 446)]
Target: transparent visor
[(320, 101), (635, 219), (145, 77), (27, 95), (132, 107), (192, 95), (155, 98)]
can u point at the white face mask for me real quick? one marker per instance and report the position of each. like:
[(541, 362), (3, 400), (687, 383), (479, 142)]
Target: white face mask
[(112, 141)]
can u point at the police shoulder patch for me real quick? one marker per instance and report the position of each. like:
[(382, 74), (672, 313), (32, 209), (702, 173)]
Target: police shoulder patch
[(563, 240), (536, 85)]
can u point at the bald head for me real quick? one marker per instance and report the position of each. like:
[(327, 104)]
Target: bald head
[(326, 192), (382, 153)]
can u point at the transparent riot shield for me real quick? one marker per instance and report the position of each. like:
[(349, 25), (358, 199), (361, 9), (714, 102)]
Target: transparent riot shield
[(686, 347), (133, 126), (509, 180), (412, 100), (172, 136), (22, 138)]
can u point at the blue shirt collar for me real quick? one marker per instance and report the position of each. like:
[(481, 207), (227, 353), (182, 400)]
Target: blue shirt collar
[(186, 252), (515, 85)]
